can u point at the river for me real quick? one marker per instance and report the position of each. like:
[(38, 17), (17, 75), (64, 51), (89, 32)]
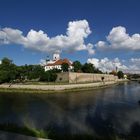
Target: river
[(107, 113)]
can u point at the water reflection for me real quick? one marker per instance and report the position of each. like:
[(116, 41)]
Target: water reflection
[(100, 113)]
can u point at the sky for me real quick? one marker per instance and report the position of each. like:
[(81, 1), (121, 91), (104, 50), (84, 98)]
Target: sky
[(105, 33)]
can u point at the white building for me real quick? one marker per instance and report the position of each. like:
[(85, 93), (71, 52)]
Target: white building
[(57, 62)]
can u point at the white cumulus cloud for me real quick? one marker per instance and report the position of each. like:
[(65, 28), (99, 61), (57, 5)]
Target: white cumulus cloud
[(134, 65), (131, 65), (73, 40), (107, 65), (118, 38)]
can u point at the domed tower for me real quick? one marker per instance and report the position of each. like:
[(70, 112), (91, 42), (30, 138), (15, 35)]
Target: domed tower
[(56, 57)]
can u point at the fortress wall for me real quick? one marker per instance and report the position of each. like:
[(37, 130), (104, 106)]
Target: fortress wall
[(63, 77), (73, 77), (80, 77)]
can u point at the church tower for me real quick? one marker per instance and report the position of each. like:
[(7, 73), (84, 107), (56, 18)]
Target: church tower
[(56, 57)]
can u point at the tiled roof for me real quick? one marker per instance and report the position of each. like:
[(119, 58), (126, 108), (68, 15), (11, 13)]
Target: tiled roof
[(60, 62)]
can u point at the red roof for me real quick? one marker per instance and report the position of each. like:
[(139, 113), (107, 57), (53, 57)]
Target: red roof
[(60, 62)]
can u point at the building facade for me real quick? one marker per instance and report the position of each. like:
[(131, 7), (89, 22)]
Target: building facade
[(57, 62)]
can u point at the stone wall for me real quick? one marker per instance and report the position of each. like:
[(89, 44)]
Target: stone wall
[(63, 77), (73, 77)]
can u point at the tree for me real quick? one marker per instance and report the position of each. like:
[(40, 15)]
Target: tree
[(53, 76), (48, 76), (120, 74), (113, 72), (77, 66), (65, 67), (88, 68), (6, 62), (44, 77), (3, 77), (96, 70), (30, 71), (8, 70), (35, 72)]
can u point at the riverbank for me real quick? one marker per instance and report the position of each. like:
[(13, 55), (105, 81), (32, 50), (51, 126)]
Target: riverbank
[(57, 88)]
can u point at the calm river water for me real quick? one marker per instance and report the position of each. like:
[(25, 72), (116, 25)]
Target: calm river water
[(107, 113)]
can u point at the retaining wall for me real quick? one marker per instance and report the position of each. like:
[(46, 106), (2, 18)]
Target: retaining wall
[(73, 77)]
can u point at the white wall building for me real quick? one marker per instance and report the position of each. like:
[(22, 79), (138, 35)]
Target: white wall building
[(57, 62)]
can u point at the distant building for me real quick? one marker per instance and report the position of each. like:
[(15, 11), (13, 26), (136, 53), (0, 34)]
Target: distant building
[(57, 62)]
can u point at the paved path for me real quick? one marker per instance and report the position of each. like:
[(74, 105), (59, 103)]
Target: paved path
[(58, 87), (14, 136)]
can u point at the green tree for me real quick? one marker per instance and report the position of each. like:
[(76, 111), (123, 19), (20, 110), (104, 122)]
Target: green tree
[(35, 72), (96, 70), (65, 67), (77, 66), (8, 70), (3, 77), (120, 74), (6, 62), (30, 71), (53, 76), (48, 76), (88, 68), (113, 73)]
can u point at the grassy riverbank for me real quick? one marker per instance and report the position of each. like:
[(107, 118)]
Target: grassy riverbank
[(55, 88), (15, 90)]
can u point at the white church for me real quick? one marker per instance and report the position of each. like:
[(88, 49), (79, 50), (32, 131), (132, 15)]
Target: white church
[(57, 62)]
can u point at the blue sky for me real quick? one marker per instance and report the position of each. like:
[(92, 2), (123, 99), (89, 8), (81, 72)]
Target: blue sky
[(53, 17)]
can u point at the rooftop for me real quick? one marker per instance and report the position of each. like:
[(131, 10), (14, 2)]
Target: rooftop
[(60, 62)]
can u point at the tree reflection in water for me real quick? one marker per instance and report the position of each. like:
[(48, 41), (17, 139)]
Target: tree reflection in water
[(107, 113)]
